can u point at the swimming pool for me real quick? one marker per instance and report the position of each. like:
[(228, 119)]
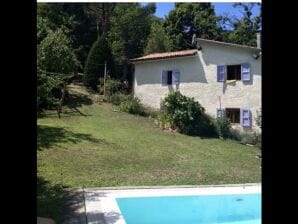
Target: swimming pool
[(226, 204), (203, 209)]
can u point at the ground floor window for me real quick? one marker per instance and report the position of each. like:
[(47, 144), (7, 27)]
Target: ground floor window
[(233, 114)]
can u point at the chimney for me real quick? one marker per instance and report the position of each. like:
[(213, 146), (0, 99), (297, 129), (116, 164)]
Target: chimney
[(258, 40)]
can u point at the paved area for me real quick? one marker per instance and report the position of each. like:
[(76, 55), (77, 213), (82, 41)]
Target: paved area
[(74, 207)]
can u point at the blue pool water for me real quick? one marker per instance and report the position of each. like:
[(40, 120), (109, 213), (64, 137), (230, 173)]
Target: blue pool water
[(203, 209)]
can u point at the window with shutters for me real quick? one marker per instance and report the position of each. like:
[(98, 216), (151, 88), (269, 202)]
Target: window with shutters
[(234, 72), (170, 77), (233, 114), (231, 73)]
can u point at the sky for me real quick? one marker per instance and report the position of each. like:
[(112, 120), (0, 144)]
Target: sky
[(162, 9)]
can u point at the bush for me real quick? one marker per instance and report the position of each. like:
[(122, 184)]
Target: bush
[(251, 138), (112, 87), (49, 90), (187, 115), (133, 106), (118, 98), (223, 127)]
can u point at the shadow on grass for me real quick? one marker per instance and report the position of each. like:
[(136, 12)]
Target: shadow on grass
[(73, 102), (48, 136), (49, 199)]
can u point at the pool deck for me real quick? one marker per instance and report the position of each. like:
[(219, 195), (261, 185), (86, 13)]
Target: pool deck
[(101, 206)]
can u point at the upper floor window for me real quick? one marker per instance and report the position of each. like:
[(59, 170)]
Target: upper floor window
[(233, 72)]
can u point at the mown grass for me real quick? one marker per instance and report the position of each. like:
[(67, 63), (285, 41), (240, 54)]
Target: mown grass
[(96, 146)]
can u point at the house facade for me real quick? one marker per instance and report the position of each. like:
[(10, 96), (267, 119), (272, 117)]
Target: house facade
[(224, 78)]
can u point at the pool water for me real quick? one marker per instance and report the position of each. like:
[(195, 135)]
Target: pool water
[(201, 209)]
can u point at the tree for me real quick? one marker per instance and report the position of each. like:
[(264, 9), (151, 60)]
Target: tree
[(54, 54), (130, 28), (42, 28), (101, 13), (188, 19), (99, 54), (158, 41), (245, 28)]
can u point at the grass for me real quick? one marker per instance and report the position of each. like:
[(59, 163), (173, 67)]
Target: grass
[(92, 145)]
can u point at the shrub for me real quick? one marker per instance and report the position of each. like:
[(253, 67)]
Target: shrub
[(251, 138), (49, 90), (112, 87), (187, 115), (223, 127), (118, 98), (133, 106)]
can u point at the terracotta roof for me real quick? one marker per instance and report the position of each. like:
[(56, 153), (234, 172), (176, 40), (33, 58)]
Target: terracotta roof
[(166, 55), (225, 43)]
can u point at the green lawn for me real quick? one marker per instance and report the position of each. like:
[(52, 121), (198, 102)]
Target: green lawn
[(94, 146)]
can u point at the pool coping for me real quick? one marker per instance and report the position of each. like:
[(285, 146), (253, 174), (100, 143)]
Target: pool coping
[(171, 186), (101, 207)]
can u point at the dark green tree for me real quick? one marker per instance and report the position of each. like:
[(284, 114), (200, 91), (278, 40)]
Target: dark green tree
[(98, 55), (188, 19), (130, 28), (158, 40)]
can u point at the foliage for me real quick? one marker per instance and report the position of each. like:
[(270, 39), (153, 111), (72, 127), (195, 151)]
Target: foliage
[(253, 138), (118, 98), (188, 19), (133, 106), (223, 127), (112, 86), (187, 115), (130, 28), (54, 54), (42, 28), (245, 28), (158, 41), (49, 90), (259, 119), (101, 13), (98, 55)]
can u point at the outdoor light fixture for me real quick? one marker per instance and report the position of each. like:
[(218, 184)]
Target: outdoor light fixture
[(256, 55)]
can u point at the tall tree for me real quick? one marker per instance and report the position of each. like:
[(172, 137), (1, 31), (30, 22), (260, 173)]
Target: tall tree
[(158, 40), (101, 13), (130, 27), (188, 19), (98, 55)]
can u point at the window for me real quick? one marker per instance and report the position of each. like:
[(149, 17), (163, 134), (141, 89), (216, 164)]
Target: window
[(233, 114), (169, 77), (169, 82), (234, 72)]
